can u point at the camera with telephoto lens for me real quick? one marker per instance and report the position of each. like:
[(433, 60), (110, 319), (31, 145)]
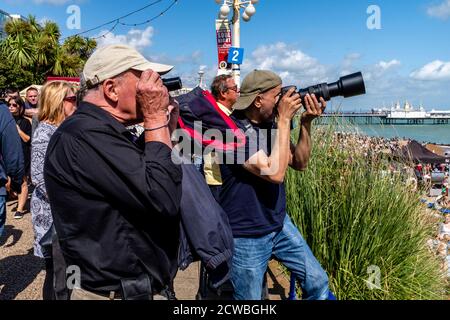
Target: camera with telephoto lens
[(172, 84), (347, 86)]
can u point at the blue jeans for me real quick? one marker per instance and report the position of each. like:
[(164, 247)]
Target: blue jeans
[(252, 255), (2, 213)]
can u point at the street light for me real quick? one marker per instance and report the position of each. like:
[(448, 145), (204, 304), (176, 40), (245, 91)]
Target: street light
[(249, 11), (201, 73)]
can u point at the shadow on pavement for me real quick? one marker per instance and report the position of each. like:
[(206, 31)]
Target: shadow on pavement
[(17, 273), (10, 232)]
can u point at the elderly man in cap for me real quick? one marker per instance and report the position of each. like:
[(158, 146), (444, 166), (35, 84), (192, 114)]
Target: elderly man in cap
[(114, 201), (253, 193)]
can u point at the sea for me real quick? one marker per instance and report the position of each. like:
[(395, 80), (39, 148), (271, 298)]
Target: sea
[(439, 134)]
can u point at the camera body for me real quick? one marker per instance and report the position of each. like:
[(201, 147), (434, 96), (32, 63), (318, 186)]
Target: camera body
[(172, 84), (347, 86)]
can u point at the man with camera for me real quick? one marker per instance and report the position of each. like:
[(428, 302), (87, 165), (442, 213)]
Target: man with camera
[(253, 193), (115, 203)]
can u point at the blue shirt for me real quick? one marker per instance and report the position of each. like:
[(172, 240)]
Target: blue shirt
[(255, 207), (29, 106), (11, 155)]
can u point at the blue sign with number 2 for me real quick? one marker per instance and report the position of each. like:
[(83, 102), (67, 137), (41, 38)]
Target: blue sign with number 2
[(235, 55)]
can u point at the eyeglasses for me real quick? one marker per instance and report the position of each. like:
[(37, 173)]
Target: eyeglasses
[(72, 99), (234, 88), (12, 105)]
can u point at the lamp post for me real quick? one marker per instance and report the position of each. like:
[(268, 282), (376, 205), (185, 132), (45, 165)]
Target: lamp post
[(249, 11), (201, 73)]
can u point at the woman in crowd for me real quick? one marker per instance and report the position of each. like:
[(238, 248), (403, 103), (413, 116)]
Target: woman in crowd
[(17, 108), (57, 102)]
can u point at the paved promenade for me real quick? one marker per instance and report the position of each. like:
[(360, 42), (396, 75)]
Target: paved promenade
[(22, 274)]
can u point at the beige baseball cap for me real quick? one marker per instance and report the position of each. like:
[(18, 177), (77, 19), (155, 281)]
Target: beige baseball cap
[(254, 83), (112, 60)]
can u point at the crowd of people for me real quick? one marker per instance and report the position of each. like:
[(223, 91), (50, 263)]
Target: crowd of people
[(367, 145), (107, 195), (108, 201), (429, 175), (56, 102)]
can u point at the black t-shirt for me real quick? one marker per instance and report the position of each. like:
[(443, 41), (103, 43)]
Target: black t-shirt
[(255, 207), (25, 126)]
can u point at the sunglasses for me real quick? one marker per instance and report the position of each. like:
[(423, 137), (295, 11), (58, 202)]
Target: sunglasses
[(70, 99), (12, 105)]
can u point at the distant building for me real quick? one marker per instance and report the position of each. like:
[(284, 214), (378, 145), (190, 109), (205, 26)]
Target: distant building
[(3, 18)]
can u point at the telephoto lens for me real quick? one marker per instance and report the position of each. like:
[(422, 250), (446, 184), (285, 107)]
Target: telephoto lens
[(172, 84), (347, 86)]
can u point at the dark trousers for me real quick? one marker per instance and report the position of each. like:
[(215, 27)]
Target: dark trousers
[(48, 293)]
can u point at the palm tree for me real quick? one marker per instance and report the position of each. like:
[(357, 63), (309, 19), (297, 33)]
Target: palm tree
[(17, 46), (82, 46), (34, 25), (66, 64), (36, 48), (51, 30), (14, 27), (46, 42), (18, 50)]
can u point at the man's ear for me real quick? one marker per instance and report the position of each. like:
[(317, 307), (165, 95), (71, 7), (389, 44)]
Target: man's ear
[(110, 89), (257, 102), (222, 95)]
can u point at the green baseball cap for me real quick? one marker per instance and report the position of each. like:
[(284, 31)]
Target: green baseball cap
[(254, 83)]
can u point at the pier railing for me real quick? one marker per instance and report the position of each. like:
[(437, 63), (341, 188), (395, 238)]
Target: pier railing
[(380, 119)]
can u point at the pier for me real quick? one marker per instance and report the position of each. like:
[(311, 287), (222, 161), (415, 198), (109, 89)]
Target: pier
[(382, 119)]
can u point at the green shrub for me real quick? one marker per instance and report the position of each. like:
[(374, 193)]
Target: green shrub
[(354, 216)]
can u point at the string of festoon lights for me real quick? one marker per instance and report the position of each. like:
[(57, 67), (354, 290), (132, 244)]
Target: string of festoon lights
[(118, 21)]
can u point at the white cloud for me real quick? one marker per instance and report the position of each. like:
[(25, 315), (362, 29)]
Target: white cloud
[(290, 63), (350, 59), (138, 39), (383, 65), (382, 70), (436, 70), (441, 11), (348, 63), (384, 79)]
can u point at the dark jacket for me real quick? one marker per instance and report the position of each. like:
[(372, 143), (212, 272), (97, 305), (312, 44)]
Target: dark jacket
[(11, 154), (205, 232), (115, 206)]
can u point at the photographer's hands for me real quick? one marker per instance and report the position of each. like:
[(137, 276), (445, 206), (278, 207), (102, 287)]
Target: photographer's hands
[(301, 152), (313, 108), (153, 98), (289, 105)]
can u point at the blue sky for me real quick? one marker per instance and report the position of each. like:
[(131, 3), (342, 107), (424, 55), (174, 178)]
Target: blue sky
[(306, 42)]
